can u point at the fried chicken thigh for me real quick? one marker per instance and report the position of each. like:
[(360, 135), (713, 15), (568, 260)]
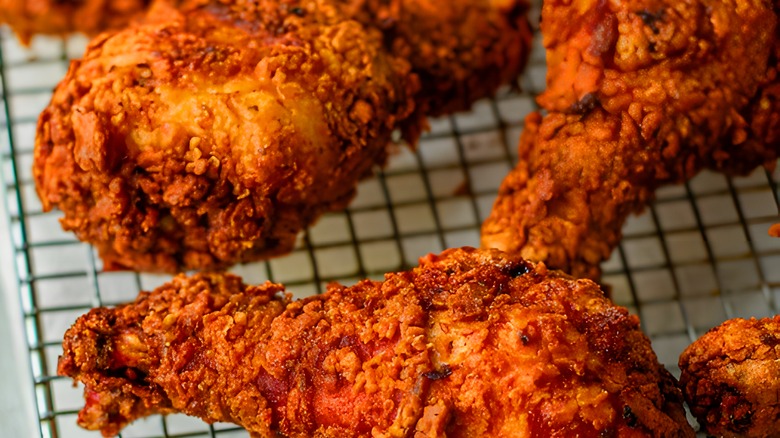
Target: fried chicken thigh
[(214, 132), (470, 343), (60, 17), (640, 94), (731, 378), (207, 136)]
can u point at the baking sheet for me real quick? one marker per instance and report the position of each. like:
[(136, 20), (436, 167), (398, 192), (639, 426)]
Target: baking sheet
[(698, 256)]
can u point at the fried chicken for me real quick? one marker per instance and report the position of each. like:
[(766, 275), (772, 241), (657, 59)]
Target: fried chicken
[(210, 135), (213, 133), (60, 17), (461, 52), (470, 343), (731, 378), (640, 94)]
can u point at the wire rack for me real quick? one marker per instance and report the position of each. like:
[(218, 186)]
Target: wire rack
[(696, 257)]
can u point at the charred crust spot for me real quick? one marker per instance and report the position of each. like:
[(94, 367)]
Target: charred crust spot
[(742, 421), (650, 19), (444, 372), (629, 416), (524, 339), (298, 11), (769, 340), (740, 416), (584, 105), (132, 375), (740, 411), (516, 269)]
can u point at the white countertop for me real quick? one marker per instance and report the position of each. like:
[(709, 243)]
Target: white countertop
[(17, 408)]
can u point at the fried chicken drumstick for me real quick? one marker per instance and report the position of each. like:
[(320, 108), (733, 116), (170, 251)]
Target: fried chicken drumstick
[(60, 17), (640, 93), (214, 132), (470, 343), (731, 378)]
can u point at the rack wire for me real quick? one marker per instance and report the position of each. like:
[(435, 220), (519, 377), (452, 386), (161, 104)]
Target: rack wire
[(699, 255)]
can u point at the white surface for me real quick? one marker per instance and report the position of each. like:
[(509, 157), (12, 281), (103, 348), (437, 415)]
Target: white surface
[(17, 408)]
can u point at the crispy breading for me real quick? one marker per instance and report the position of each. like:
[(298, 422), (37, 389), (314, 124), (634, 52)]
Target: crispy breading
[(731, 378), (61, 17), (214, 132), (470, 343), (207, 136), (462, 52), (640, 94)]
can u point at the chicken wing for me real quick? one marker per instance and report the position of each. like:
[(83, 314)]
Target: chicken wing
[(470, 343), (215, 131), (640, 93), (731, 378), (60, 17)]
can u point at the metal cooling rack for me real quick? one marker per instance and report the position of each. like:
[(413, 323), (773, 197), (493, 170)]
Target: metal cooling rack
[(698, 256)]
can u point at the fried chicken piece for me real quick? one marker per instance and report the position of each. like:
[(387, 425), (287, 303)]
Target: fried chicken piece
[(213, 133), (470, 343), (462, 52), (61, 17), (731, 378), (640, 94)]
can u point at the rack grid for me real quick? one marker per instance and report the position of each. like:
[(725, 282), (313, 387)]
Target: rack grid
[(699, 255)]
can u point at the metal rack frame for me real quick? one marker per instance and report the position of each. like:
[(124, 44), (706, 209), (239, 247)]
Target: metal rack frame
[(695, 258)]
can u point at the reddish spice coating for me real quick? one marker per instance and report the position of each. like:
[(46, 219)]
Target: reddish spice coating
[(215, 131), (470, 343), (731, 378), (640, 94), (60, 17)]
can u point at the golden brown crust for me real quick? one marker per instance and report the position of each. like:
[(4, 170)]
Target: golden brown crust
[(462, 52), (639, 94), (470, 343), (731, 378), (213, 133), (60, 17), (211, 136)]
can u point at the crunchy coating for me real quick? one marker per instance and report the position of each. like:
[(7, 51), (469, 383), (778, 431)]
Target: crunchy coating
[(60, 17), (470, 343), (640, 94), (731, 378), (212, 135), (462, 52), (215, 131)]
